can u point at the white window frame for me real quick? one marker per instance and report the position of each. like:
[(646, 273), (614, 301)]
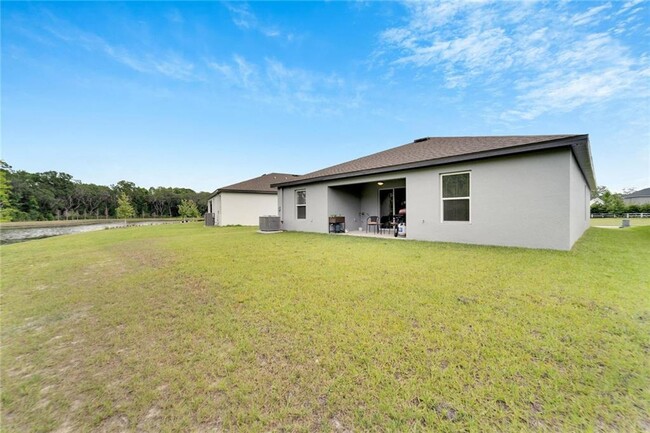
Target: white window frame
[(443, 199), (300, 205)]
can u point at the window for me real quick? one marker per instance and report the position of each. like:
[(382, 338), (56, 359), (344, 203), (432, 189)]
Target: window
[(455, 196), (301, 204)]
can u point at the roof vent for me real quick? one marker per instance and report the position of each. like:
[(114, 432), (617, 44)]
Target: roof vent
[(418, 140)]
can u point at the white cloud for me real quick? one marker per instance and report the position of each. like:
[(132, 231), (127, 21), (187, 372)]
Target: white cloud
[(426, 16), (629, 5), (244, 18), (239, 73), (170, 65), (590, 16), (175, 16), (223, 69), (473, 51), (247, 73), (174, 66), (569, 92), (550, 58), (242, 15), (294, 89)]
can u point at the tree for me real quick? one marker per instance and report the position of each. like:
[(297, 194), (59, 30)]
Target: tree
[(137, 195), (159, 199), (602, 189), (124, 208), (201, 199), (612, 202), (51, 195), (187, 209), (6, 210), (90, 199), (55, 193)]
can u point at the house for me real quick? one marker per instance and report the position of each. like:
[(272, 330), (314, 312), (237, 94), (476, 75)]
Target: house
[(244, 202), (523, 191), (596, 201), (637, 197)]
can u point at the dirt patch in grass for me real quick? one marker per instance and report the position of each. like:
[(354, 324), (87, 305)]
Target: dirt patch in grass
[(184, 328)]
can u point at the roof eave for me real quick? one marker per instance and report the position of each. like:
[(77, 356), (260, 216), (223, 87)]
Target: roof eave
[(243, 191), (582, 152), (573, 141)]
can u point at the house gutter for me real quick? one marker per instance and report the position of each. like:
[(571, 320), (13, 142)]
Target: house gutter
[(579, 146), (241, 191)]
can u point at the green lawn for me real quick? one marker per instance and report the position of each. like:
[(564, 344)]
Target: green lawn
[(616, 222), (185, 328)]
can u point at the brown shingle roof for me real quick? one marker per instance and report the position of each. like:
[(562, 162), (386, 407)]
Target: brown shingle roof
[(442, 150), (259, 185)]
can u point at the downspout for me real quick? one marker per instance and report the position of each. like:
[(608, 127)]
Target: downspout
[(280, 205)]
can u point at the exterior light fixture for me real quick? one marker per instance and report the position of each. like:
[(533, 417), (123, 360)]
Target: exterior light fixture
[(380, 183)]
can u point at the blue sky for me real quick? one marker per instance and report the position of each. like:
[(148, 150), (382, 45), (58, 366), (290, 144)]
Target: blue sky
[(206, 94)]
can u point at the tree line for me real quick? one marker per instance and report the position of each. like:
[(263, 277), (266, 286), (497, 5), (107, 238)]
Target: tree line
[(54, 195), (612, 203)]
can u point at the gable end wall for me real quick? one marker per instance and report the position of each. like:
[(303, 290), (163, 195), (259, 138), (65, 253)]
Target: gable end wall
[(245, 208)]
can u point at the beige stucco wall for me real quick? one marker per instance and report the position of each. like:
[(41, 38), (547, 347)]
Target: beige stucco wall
[(533, 200), (243, 208)]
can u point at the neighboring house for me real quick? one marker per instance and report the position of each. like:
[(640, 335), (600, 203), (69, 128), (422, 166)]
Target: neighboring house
[(597, 201), (637, 197), (525, 191), (244, 202)]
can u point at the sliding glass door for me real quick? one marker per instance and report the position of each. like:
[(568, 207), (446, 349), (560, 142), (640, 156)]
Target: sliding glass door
[(391, 200)]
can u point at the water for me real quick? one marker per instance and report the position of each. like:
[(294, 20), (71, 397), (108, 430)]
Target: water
[(11, 235)]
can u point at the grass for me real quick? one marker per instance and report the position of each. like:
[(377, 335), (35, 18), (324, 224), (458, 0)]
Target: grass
[(186, 328), (616, 222)]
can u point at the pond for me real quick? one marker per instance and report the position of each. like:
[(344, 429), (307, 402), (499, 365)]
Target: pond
[(12, 235)]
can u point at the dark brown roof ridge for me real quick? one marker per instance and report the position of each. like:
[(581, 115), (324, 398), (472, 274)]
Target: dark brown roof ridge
[(443, 150)]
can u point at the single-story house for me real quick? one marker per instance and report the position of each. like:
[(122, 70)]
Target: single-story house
[(637, 197), (244, 202), (597, 201), (524, 191)]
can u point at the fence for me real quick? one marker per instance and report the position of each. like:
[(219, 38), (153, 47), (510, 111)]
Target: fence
[(626, 215)]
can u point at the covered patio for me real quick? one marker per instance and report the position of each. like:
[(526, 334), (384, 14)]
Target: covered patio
[(367, 207)]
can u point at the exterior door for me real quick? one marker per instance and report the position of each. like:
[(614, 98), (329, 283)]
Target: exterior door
[(391, 200)]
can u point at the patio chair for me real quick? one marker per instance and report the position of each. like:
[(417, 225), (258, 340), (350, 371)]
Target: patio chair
[(372, 221), (385, 223)]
